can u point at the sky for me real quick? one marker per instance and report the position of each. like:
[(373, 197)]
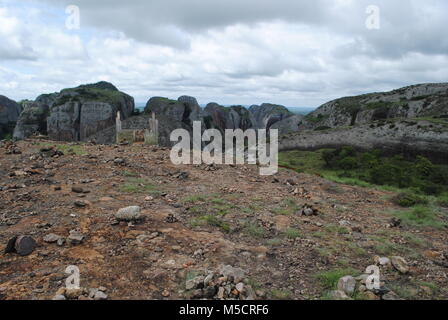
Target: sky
[(290, 52)]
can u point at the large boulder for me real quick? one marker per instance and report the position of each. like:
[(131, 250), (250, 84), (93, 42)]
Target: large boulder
[(9, 113), (268, 114), (79, 113), (32, 120)]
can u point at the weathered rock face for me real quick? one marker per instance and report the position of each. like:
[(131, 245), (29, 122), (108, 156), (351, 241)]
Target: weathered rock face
[(410, 102), (79, 113), (288, 125), (424, 137), (9, 113), (268, 114), (219, 117), (32, 120)]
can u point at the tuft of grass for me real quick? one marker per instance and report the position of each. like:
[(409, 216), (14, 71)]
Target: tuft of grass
[(210, 220), (292, 233), (274, 242), (135, 185), (281, 294), (254, 230)]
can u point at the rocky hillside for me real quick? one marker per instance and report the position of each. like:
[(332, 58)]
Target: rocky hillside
[(423, 100), (139, 227), (411, 120), (9, 113)]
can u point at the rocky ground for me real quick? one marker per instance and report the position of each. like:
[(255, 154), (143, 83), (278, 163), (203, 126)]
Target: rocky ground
[(217, 232)]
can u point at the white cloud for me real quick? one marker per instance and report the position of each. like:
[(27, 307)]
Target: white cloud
[(296, 53)]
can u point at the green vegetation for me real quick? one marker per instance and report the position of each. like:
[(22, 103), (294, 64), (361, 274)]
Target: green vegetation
[(210, 220), (281, 294), (407, 200), (421, 216), (137, 185), (369, 169), (254, 230), (69, 149), (317, 119), (292, 233)]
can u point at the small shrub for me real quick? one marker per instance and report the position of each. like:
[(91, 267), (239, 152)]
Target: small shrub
[(408, 200)]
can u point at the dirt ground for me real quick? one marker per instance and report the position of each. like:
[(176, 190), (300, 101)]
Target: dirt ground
[(196, 219)]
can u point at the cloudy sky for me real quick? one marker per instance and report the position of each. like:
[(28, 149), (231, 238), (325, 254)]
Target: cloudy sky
[(291, 52)]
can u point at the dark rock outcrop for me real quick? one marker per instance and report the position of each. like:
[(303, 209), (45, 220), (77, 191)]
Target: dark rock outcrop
[(9, 113), (32, 120), (222, 118), (268, 114), (79, 113)]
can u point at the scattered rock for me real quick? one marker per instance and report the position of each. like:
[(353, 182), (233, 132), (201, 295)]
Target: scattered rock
[(22, 245), (339, 295), (80, 204), (75, 237), (100, 295), (128, 214), (51, 238), (347, 284), (400, 264)]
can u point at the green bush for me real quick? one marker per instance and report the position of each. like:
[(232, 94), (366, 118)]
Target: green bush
[(408, 200)]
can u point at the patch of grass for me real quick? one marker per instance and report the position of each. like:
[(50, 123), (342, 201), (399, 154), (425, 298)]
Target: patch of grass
[(333, 228), (442, 200), (388, 248), (254, 230), (292, 233), (136, 185), (420, 216), (288, 207), (130, 174), (281, 294), (210, 220), (274, 242), (329, 279), (194, 199)]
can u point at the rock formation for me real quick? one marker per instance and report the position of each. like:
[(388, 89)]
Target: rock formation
[(423, 100), (222, 118), (79, 113), (9, 113), (268, 114), (32, 120)]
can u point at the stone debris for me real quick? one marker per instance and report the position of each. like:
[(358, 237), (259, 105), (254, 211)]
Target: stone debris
[(75, 237), (225, 284)]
